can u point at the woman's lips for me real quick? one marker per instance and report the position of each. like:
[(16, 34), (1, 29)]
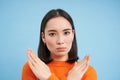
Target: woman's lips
[(61, 49)]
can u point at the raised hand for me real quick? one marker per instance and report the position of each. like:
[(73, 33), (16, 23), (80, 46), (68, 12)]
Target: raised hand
[(77, 72), (39, 68)]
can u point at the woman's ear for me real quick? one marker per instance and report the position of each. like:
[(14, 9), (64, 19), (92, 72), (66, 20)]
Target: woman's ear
[(43, 36)]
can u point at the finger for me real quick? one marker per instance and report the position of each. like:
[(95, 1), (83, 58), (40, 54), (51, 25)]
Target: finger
[(35, 57), (30, 59), (88, 57), (32, 55), (83, 70), (31, 64), (84, 67), (83, 63), (32, 67), (29, 52), (36, 60), (85, 60)]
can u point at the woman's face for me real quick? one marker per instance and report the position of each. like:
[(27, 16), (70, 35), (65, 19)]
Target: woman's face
[(58, 38)]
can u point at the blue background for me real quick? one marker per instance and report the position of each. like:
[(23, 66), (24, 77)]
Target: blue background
[(97, 24)]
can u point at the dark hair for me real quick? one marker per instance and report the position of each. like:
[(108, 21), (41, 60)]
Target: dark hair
[(43, 52)]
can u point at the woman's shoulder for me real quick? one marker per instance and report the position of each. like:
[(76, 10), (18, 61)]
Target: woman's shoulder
[(91, 73), (27, 72), (26, 69), (26, 66), (91, 68)]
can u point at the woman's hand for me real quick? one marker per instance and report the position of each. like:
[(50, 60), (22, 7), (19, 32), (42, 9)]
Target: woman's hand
[(39, 68), (77, 72)]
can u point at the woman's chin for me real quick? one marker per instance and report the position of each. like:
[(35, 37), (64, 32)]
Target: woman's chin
[(61, 55)]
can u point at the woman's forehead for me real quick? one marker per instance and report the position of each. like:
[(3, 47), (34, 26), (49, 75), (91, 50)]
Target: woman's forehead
[(58, 23)]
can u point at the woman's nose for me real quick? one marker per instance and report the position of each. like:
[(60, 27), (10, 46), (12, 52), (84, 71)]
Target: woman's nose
[(60, 40)]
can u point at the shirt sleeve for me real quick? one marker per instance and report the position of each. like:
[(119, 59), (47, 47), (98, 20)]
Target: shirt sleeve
[(27, 73), (90, 74)]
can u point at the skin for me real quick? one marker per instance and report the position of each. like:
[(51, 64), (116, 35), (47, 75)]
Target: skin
[(58, 37)]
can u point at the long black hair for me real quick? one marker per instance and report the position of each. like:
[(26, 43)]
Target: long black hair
[(43, 52)]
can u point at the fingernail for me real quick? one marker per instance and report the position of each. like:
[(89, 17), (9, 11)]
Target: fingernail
[(88, 57), (29, 51)]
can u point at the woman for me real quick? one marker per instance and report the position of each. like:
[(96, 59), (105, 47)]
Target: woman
[(57, 52)]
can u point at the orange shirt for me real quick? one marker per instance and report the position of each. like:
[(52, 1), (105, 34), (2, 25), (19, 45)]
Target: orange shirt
[(59, 71)]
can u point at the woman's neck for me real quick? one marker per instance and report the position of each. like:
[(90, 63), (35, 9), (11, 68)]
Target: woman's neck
[(60, 58)]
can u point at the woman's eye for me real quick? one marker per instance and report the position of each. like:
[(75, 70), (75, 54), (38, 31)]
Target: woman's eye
[(67, 33), (52, 34)]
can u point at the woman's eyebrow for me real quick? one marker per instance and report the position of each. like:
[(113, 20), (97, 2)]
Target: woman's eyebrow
[(52, 30), (67, 29)]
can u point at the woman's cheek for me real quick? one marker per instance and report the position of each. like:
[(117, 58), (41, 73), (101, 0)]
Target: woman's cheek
[(69, 40), (50, 43)]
